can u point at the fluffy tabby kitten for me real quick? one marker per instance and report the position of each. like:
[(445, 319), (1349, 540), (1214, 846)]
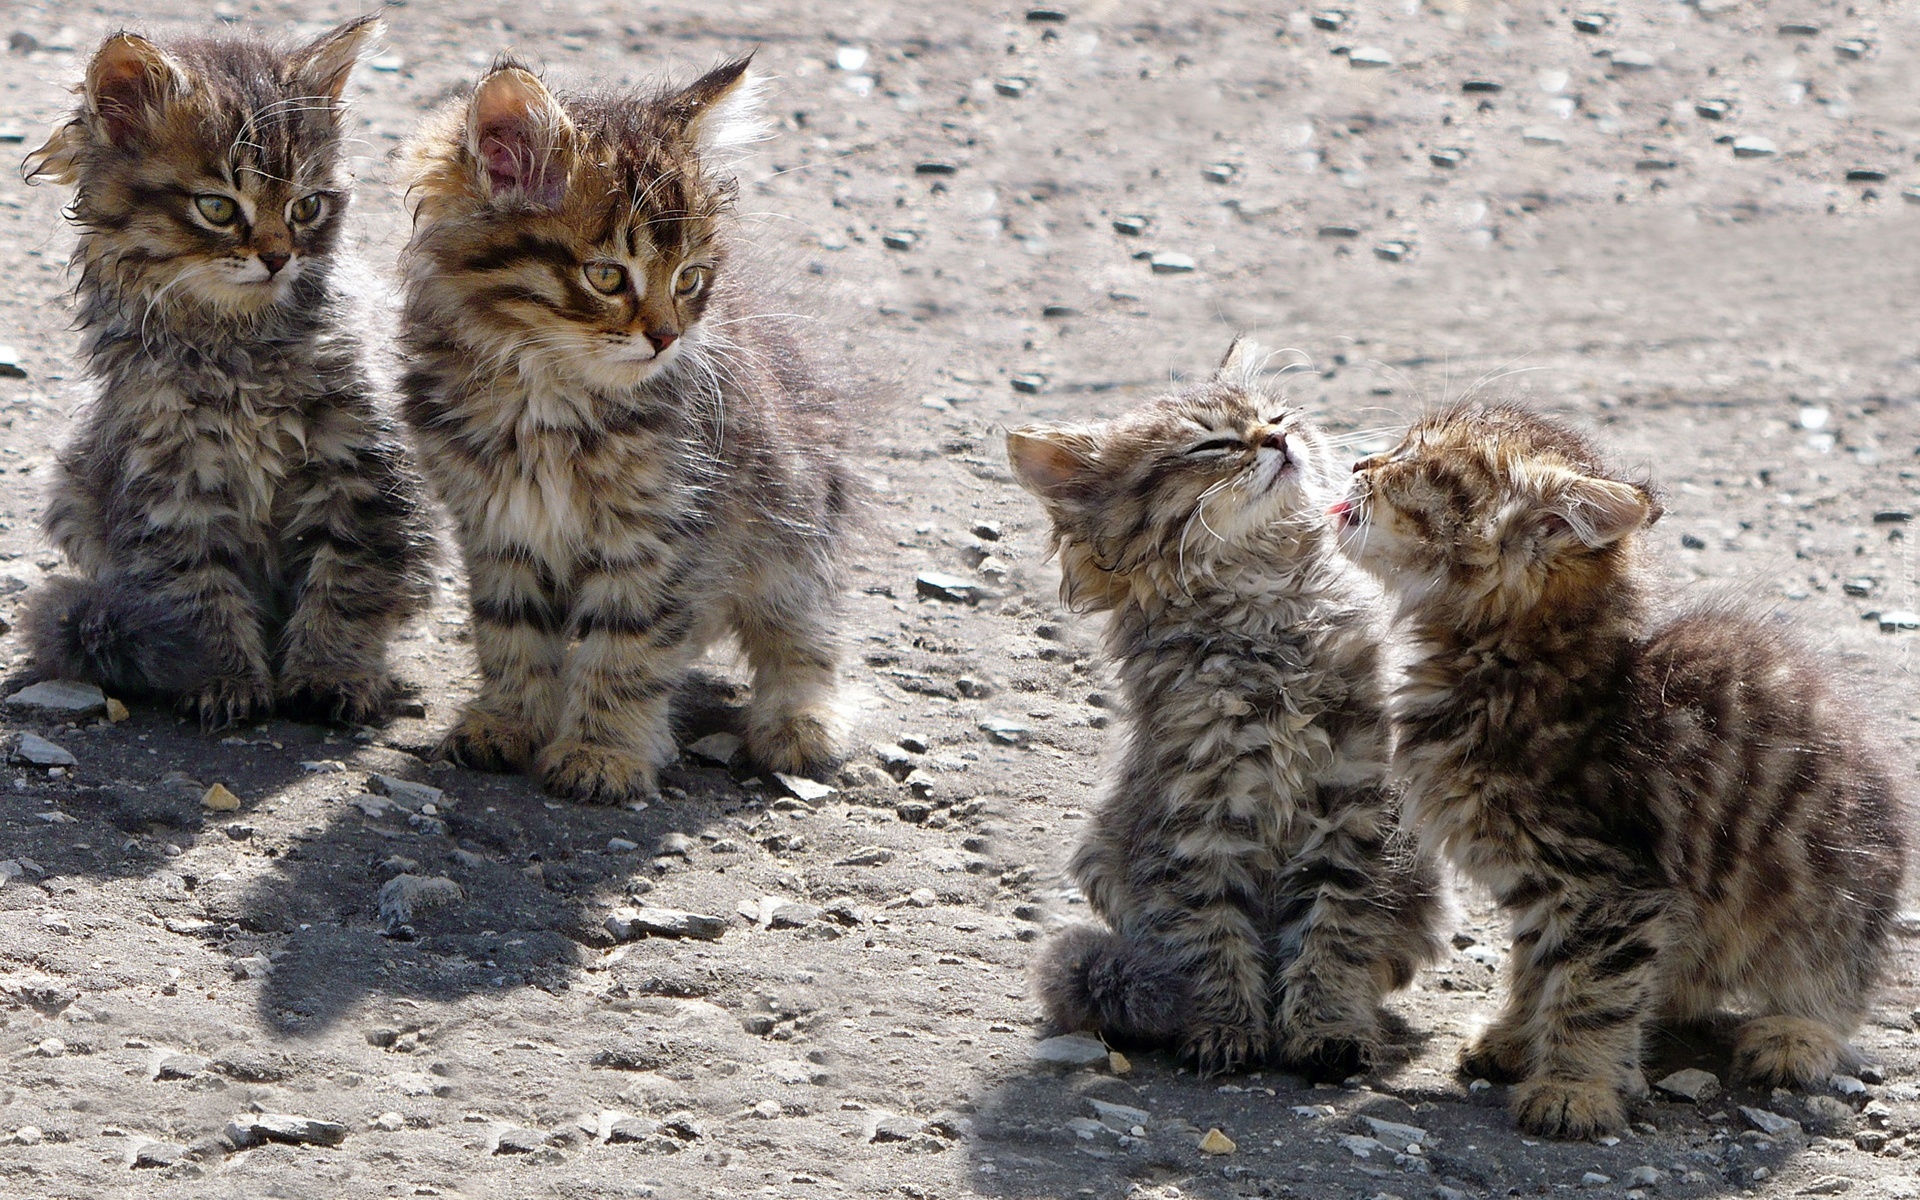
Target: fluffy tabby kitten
[(247, 528), (1244, 859), (1676, 812), (638, 459)]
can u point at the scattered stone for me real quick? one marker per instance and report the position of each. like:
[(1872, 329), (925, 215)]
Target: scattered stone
[(323, 766), (1482, 86), (1543, 135), (1393, 1133), (914, 812), (1048, 16), (936, 168), (866, 856), (1828, 1185), (10, 367), (1070, 1050), (720, 749), (1447, 158), (1006, 732), (1595, 1179), (1130, 226), (405, 897), (1853, 48), (1059, 310), (899, 239), (895, 1129), (1866, 175), (1848, 1085), (1863, 585), (251, 1129), (933, 585), (629, 924), (1590, 22), (802, 788), (632, 1129), (620, 845), (1828, 1116), (1691, 1084), (1752, 146), (61, 698), (32, 750), (28, 1135), (1713, 110), (180, 1066), (1632, 60), (1012, 86), (116, 711), (158, 1154), (1770, 1123), (406, 793), (1215, 1142), (1338, 231), (1119, 1063), (1892, 516), (850, 58), (386, 63), (252, 966), (218, 799), (674, 843), (1644, 1177), (51, 1047), (1890, 622), (519, 1140), (1122, 1117), (1369, 57), (390, 1122), (1168, 263), (1329, 19), (1219, 172), (1799, 29), (1392, 251)]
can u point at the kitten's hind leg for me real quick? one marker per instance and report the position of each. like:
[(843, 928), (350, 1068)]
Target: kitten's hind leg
[(1788, 1051), (786, 627), (519, 639)]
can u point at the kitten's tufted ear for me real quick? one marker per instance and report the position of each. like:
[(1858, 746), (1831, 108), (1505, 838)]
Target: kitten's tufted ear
[(1243, 362), (518, 134), (1599, 512), (128, 82), (1051, 463), (721, 109), (322, 67)]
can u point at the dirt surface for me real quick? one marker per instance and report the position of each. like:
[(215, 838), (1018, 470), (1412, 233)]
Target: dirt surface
[(1742, 326)]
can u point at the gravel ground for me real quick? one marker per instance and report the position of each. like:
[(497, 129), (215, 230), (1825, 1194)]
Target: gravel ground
[(343, 986)]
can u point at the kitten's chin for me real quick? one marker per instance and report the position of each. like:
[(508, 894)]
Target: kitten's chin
[(614, 373), (244, 298)]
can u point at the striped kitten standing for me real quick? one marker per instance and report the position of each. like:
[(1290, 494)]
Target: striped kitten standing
[(1676, 812), (1257, 899), (247, 528), (638, 459)]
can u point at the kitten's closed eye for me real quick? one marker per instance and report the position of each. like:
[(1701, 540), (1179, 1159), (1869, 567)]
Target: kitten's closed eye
[(1219, 445)]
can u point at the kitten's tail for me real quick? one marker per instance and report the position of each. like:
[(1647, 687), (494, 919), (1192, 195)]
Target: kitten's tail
[(112, 632), (1129, 989)]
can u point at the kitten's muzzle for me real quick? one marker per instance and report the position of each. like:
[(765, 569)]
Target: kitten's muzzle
[(1277, 440), (273, 260)]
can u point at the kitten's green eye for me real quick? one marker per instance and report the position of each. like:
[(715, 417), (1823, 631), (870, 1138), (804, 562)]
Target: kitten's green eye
[(305, 209), (606, 277), (690, 282), (1219, 445), (217, 209)]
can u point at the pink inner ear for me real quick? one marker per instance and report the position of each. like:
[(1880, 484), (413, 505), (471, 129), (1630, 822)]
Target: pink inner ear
[(121, 101), (515, 163)]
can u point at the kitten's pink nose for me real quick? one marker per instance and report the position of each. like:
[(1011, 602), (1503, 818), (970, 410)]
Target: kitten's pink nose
[(274, 260), (661, 339), (1275, 441)]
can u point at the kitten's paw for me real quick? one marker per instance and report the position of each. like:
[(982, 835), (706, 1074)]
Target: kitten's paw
[(596, 774), (796, 742), (228, 700), (342, 700), (1328, 1056), (1569, 1108), (1223, 1048), (1776, 1051), (1497, 1054), (485, 741)]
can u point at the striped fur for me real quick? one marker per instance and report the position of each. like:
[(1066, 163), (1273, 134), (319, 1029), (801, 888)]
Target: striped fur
[(248, 531), (1245, 857), (638, 458), (1676, 813)]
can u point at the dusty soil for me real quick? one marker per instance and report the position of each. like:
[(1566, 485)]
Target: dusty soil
[(1742, 326)]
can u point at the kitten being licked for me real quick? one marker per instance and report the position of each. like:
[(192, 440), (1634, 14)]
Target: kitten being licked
[(248, 529), (1676, 812), (1256, 895), (639, 458)]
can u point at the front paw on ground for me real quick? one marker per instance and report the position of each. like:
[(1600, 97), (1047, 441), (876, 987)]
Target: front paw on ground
[(1221, 1049), (798, 743), (353, 700), (1328, 1057), (486, 742), (1793, 1051), (228, 701), (1496, 1057), (1569, 1108), (596, 774)]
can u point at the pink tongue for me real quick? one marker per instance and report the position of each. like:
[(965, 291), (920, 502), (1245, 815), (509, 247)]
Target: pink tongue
[(1341, 509)]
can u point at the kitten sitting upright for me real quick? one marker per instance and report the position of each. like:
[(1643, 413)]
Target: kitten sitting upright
[(638, 458), (248, 529), (1245, 859), (1676, 813)]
